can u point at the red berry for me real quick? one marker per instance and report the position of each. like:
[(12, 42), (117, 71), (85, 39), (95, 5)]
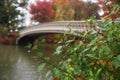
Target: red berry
[(79, 76), (56, 78), (77, 42), (98, 45), (90, 22), (99, 30)]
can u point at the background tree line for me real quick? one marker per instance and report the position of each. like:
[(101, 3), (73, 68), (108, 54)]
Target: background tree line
[(10, 18), (45, 11)]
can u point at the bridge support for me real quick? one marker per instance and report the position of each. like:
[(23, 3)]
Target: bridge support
[(25, 40)]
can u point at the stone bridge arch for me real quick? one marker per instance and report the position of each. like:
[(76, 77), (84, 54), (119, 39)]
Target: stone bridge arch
[(29, 34)]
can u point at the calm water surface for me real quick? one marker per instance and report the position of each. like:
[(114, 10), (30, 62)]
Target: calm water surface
[(17, 64)]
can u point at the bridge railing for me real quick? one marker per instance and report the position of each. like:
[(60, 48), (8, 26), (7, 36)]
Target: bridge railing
[(74, 25)]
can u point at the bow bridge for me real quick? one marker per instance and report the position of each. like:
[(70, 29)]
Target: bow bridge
[(29, 34)]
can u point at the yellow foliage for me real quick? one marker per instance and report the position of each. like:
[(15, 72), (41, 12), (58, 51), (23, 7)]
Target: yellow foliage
[(64, 10)]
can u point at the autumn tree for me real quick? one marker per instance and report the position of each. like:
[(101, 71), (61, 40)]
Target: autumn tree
[(63, 9), (75, 9), (85, 10), (42, 11)]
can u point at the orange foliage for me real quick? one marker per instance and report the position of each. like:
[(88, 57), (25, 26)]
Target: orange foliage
[(59, 2), (63, 10)]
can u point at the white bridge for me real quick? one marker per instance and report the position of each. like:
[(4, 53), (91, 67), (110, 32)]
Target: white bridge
[(29, 34)]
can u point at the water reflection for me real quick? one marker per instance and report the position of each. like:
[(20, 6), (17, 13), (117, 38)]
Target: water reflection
[(17, 64)]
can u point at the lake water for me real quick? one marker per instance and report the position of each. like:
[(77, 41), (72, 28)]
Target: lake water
[(17, 64)]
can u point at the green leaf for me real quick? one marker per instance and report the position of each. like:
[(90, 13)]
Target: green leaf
[(91, 56), (47, 59), (94, 48), (69, 59), (56, 72), (58, 50), (39, 54), (85, 49), (69, 41), (28, 46), (94, 32), (35, 47), (74, 49), (98, 72), (116, 61), (41, 66), (43, 40), (47, 73), (69, 49), (93, 41), (40, 78), (91, 73)]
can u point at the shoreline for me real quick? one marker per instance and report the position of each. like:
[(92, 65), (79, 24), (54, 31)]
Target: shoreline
[(8, 40)]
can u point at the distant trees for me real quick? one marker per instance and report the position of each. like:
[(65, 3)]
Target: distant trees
[(44, 11), (64, 9), (9, 15), (9, 12), (85, 10)]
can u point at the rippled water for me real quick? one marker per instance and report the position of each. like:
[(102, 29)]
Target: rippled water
[(17, 64)]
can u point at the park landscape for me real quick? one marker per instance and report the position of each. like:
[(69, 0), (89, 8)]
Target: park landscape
[(92, 54)]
